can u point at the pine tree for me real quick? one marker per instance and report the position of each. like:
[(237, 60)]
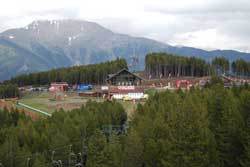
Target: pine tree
[(40, 161), (245, 140), (113, 152), (244, 106), (189, 140), (96, 147), (225, 121), (133, 152)]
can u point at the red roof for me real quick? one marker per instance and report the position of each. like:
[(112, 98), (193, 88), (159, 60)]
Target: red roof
[(59, 84)]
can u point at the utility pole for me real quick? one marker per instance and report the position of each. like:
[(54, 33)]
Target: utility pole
[(55, 163), (70, 153), (11, 154), (52, 156), (59, 163), (84, 156), (28, 162), (79, 160)]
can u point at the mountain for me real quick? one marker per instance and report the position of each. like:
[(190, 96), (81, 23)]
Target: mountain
[(44, 45)]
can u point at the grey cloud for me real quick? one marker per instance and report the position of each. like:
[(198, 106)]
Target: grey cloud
[(212, 6), (230, 18), (63, 13), (27, 17)]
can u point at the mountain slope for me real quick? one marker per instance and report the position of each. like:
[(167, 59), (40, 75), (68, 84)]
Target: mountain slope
[(43, 45), (208, 55), (15, 59)]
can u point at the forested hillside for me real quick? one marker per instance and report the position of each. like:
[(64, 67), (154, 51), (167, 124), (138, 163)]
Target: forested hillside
[(158, 65), (21, 138), (94, 74), (241, 67), (221, 64), (199, 128), (164, 65), (8, 91), (238, 67)]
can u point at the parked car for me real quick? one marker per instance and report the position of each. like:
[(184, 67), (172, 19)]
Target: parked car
[(127, 98)]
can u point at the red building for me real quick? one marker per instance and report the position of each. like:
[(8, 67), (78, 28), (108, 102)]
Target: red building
[(58, 87), (124, 83)]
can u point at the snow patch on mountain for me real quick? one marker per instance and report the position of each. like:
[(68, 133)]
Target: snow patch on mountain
[(24, 68), (69, 40)]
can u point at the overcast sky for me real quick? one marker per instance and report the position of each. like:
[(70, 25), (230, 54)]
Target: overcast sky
[(207, 24)]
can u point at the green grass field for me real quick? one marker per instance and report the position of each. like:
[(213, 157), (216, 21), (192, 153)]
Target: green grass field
[(45, 101)]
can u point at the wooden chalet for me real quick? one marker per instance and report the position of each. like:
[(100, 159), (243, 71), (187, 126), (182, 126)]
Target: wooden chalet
[(124, 83), (124, 78)]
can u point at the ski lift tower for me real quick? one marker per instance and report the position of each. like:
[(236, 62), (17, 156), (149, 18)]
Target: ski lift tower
[(134, 61)]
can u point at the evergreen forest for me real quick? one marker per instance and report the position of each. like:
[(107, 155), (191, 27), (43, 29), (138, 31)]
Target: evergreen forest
[(198, 128)]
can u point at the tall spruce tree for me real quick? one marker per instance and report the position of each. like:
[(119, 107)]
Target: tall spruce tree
[(244, 106), (225, 122)]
